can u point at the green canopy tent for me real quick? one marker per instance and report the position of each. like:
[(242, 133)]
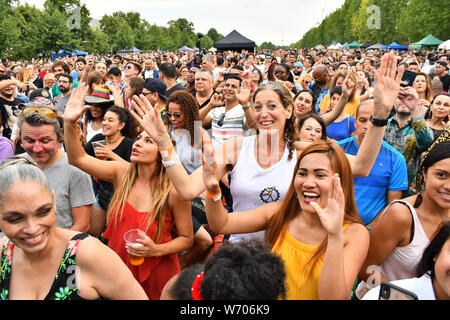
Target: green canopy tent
[(355, 44), (428, 41)]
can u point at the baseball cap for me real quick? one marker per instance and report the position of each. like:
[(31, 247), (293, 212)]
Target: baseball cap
[(298, 64), (40, 93), (156, 85)]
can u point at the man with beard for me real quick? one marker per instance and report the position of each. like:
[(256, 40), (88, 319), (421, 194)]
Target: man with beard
[(64, 85), (407, 131), (9, 103), (319, 86)]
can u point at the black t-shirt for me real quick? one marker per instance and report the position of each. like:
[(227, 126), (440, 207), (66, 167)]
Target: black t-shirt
[(445, 81), (176, 87), (9, 112), (123, 150)]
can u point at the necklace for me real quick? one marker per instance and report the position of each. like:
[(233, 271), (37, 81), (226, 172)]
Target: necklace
[(112, 142)]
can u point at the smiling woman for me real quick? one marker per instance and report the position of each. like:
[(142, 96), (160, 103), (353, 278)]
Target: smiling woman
[(143, 198), (34, 247)]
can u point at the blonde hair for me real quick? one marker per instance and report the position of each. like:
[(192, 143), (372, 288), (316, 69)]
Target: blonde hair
[(24, 75), (160, 193), (47, 77)]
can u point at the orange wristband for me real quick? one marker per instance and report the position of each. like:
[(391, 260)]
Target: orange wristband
[(215, 197), (165, 154)]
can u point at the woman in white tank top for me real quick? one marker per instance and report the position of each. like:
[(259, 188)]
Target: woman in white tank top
[(406, 226), (270, 155)]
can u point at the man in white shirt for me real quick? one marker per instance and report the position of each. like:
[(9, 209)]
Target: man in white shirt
[(229, 114)]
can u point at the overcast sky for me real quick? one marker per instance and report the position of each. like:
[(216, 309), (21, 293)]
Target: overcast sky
[(281, 22)]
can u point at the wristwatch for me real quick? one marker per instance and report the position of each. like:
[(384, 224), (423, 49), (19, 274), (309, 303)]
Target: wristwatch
[(378, 122)]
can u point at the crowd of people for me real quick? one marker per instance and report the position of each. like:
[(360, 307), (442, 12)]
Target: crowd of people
[(299, 174)]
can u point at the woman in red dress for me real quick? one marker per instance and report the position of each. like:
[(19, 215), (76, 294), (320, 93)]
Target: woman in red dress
[(143, 199)]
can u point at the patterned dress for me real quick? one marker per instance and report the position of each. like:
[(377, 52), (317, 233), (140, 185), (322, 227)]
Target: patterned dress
[(63, 287)]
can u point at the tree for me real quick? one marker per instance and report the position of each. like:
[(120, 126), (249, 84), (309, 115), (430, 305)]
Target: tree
[(214, 35), (125, 38)]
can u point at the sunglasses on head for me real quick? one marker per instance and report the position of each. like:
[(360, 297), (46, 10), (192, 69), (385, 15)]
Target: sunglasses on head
[(175, 114), (46, 112)]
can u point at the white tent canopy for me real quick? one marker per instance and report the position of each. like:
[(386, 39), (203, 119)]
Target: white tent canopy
[(445, 45)]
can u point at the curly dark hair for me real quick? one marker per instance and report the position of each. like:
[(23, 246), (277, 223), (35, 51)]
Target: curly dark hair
[(245, 270), (189, 107), (242, 271)]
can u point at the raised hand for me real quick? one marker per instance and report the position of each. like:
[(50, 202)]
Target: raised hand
[(332, 216), (148, 117), (387, 86), (217, 100), (75, 107), (409, 97), (348, 85), (209, 169), (244, 95)]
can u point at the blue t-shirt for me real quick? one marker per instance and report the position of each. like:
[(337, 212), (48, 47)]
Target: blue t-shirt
[(341, 130), (388, 173)]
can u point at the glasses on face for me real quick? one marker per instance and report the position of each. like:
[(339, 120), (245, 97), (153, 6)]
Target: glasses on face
[(46, 112), (221, 119), (174, 114)]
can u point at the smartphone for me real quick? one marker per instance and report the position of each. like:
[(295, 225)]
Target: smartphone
[(389, 291), (408, 78)]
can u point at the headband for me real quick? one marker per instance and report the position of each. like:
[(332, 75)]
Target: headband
[(418, 182)]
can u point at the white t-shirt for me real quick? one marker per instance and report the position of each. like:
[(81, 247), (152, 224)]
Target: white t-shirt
[(234, 124)]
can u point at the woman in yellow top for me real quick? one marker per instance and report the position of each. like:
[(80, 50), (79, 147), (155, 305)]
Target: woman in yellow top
[(315, 229), (338, 81)]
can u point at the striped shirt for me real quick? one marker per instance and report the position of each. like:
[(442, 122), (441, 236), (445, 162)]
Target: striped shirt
[(226, 125)]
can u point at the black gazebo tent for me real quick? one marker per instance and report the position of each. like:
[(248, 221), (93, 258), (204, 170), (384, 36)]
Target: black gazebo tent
[(365, 45), (235, 41)]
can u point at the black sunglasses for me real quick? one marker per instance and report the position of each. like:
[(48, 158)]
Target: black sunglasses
[(221, 119), (175, 114)]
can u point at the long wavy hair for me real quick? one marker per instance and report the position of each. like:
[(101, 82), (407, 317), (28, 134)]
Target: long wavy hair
[(160, 185), (283, 93), (290, 207)]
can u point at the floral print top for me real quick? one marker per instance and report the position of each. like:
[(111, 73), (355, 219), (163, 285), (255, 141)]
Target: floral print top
[(63, 287)]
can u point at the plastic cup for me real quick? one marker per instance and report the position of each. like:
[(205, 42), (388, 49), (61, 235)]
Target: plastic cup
[(99, 142), (130, 237)]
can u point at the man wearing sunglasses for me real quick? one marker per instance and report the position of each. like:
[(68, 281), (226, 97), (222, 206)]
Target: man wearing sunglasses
[(41, 138), (132, 69), (155, 91)]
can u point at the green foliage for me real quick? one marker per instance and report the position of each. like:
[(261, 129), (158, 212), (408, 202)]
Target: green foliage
[(26, 31), (399, 20)]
